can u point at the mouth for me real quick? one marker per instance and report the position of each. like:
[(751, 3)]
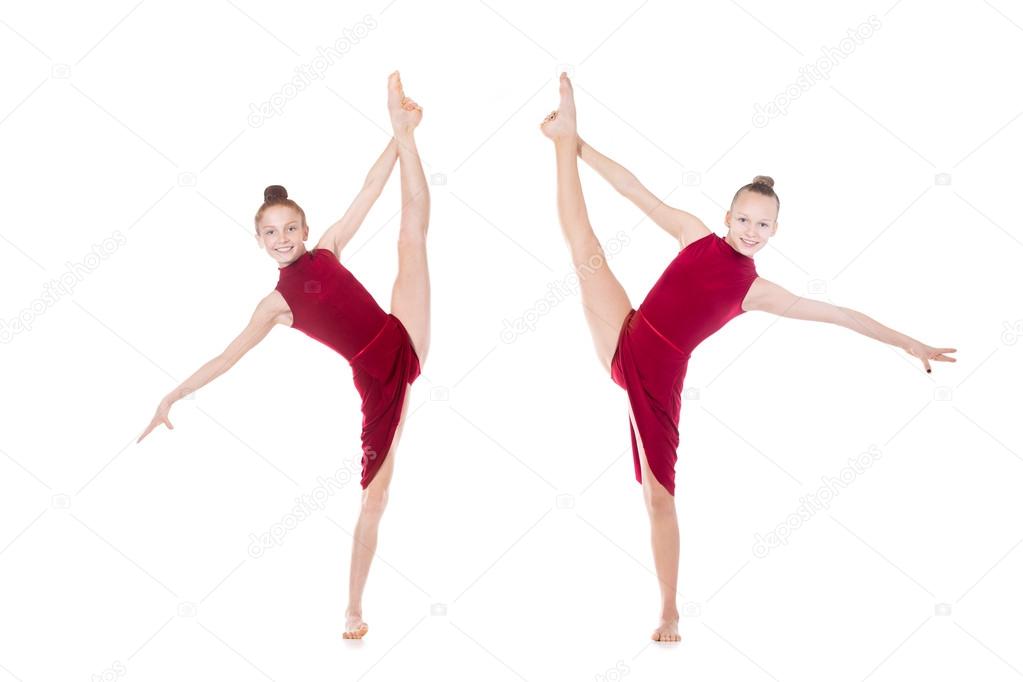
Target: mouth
[(747, 242), (285, 249)]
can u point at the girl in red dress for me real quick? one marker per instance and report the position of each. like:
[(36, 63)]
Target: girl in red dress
[(320, 297), (646, 350)]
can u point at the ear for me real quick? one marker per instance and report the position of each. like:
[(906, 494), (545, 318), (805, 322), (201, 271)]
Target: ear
[(728, 219), (775, 230)]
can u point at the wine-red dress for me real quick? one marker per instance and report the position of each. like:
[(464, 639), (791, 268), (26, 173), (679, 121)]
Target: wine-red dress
[(699, 291), (330, 305)]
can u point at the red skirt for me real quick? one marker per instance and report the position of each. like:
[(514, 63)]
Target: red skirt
[(651, 370), (382, 371)]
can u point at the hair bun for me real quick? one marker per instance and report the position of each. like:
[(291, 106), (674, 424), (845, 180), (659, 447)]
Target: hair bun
[(763, 180), (274, 193)]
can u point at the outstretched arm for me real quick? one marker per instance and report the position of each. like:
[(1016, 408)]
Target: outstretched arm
[(678, 223), (769, 297), (262, 321), (341, 232)]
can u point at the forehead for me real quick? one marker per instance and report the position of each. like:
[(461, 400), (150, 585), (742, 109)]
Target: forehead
[(756, 206), (279, 215)]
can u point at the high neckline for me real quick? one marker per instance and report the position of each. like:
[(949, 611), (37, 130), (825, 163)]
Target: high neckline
[(304, 254)]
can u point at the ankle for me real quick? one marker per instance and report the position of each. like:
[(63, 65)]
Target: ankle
[(669, 614)]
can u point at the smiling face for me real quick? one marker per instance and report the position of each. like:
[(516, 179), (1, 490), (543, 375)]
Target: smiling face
[(752, 220), (281, 231)]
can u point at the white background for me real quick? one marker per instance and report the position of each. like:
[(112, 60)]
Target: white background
[(124, 561)]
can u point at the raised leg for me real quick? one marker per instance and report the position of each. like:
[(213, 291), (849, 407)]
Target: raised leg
[(660, 505), (604, 300), (364, 539), (410, 298)]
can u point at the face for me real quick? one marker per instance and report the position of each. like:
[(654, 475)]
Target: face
[(281, 232), (751, 222)]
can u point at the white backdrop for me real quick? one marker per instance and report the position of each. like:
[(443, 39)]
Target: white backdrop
[(137, 138)]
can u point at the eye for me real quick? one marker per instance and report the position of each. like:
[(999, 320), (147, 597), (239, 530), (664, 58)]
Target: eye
[(741, 219)]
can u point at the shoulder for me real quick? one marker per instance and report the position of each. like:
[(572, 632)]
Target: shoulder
[(763, 294), (273, 307), (692, 230), (697, 239)]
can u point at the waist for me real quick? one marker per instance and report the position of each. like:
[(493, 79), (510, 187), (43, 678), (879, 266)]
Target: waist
[(655, 330)]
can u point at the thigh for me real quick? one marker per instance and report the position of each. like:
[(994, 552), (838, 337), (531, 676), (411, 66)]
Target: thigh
[(382, 481), (652, 488), (410, 298), (605, 303)]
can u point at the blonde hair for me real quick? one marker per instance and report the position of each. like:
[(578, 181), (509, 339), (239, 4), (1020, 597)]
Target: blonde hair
[(762, 184)]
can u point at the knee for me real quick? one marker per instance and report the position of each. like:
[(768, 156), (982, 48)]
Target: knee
[(374, 502), (660, 504), (412, 237), (586, 250)]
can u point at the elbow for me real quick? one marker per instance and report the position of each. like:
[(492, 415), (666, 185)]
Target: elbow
[(222, 363)]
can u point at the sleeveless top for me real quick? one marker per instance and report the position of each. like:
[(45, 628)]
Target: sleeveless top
[(701, 290), (329, 304)]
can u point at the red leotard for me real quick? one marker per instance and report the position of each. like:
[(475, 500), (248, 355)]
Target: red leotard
[(701, 290), (330, 305)]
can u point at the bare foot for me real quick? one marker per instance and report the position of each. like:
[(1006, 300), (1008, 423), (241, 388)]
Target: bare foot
[(560, 123), (667, 631), (355, 627), (405, 113)]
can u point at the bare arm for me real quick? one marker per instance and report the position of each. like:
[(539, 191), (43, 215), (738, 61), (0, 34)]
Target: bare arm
[(769, 297), (266, 315), (683, 226), (340, 233)]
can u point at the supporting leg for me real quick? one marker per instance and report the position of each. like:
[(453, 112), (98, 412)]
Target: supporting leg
[(364, 539), (664, 538)]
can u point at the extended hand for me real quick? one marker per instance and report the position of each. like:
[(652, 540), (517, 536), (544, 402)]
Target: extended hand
[(926, 353), (161, 416)]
